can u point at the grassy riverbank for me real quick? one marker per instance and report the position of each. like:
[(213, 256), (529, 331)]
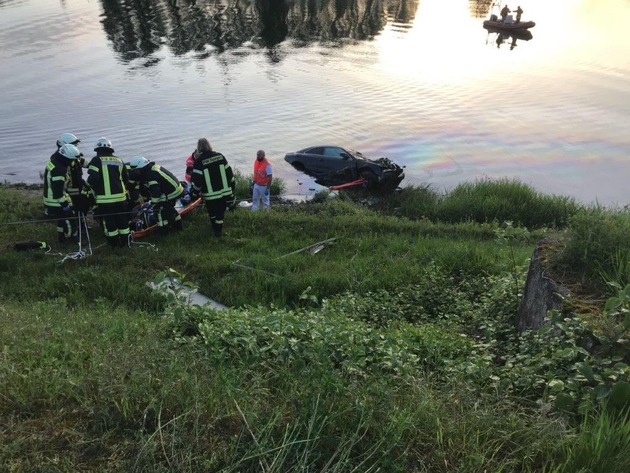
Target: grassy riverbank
[(390, 349)]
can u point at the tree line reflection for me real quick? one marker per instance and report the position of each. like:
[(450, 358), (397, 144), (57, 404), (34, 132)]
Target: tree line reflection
[(139, 28), (480, 8)]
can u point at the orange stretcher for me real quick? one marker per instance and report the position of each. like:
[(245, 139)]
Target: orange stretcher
[(182, 211)]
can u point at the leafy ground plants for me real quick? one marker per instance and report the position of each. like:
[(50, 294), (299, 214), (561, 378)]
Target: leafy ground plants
[(392, 349)]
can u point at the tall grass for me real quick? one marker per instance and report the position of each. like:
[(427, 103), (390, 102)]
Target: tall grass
[(243, 183), (486, 200), (414, 202), (597, 247), (602, 444)]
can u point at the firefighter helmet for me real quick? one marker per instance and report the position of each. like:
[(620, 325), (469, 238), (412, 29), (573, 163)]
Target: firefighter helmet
[(138, 162), (103, 143), (70, 151), (67, 139)]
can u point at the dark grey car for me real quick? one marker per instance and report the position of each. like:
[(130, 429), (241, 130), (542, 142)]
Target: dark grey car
[(333, 165)]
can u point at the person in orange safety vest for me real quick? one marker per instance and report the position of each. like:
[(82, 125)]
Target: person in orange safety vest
[(262, 181)]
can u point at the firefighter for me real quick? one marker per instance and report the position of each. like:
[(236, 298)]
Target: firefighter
[(107, 176), (78, 190), (134, 189), (57, 201), (162, 188), (213, 179)]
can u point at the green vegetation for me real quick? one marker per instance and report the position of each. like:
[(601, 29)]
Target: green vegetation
[(598, 247), (486, 201), (392, 348), (243, 186)]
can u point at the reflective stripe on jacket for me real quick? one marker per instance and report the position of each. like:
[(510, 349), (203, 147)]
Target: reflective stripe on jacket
[(75, 171), (162, 184), (261, 176), (56, 179), (212, 176), (107, 176), (133, 185)]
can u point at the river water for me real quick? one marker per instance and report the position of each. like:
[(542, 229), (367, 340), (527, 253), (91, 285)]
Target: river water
[(421, 82)]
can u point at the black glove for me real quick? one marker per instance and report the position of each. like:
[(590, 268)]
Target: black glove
[(66, 208)]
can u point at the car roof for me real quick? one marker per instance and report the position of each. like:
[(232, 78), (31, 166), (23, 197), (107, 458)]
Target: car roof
[(318, 146), (349, 150)]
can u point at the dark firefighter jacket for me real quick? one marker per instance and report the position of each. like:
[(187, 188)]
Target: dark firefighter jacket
[(77, 187), (161, 184), (212, 176), (134, 189), (107, 176), (56, 177), (75, 171)]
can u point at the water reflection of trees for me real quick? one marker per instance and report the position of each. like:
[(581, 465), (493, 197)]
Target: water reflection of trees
[(138, 28), (479, 8)]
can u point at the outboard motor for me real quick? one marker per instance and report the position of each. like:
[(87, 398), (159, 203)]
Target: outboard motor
[(493, 17)]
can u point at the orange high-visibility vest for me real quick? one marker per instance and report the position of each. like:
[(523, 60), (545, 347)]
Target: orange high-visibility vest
[(260, 172)]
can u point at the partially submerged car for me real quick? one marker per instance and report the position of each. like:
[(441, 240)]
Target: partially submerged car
[(333, 165)]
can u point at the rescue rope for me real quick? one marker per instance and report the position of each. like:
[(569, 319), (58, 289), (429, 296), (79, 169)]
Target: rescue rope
[(80, 254), (143, 244)]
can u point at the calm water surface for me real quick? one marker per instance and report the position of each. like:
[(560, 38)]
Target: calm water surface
[(418, 81)]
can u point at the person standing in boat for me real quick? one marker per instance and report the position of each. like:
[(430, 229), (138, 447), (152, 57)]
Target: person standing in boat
[(519, 12), (162, 187), (212, 179), (262, 181), (107, 176), (505, 11)]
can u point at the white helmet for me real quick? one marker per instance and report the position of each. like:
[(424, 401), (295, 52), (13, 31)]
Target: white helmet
[(138, 162), (103, 143), (70, 151), (67, 139)]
